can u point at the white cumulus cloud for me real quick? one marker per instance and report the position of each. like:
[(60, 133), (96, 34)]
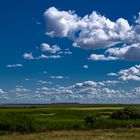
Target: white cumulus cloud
[(51, 49), (14, 65), (95, 31), (85, 66), (57, 77), (28, 56), (132, 73), (97, 57)]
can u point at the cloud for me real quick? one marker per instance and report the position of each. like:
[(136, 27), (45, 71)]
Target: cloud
[(54, 49), (1, 92), (110, 82), (3, 96), (108, 91), (43, 56), (28, 56), (85, 66), (130, 52), (60, 23), (81, 92), (93, 84), (59, 77), (96, 57), (91, 91), (20, 93), (19, 89), (129, 77), (14, 65), (67, 91), (53, 52), (19, 86), (67, 51), (27, 79), (95, 31), (85, 84), (112, 74), (45, 72), (42, 82), (136, 91), (51, 49), (132, 73)]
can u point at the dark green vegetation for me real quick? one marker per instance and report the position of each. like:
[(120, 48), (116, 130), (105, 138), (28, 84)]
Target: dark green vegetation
[(12, 122), (67, 117), (126, 113)]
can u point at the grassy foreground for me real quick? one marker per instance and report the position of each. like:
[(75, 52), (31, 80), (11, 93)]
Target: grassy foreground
[(118, 134)]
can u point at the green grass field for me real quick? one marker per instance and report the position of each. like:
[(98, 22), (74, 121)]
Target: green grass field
[(67, 118)]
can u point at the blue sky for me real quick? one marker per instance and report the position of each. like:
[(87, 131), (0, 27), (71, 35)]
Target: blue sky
[(69, 51)]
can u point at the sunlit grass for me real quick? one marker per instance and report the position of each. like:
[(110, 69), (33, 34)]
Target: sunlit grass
[(119, 134)]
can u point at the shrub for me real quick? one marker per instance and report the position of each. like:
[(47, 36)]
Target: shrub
[(90, 120), (17, 122), (76, 126), (126, 113)]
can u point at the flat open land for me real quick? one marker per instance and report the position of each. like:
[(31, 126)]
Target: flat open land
[(67, 122)]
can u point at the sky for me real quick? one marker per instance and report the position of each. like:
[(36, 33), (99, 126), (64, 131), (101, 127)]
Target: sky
[(79, 51)]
